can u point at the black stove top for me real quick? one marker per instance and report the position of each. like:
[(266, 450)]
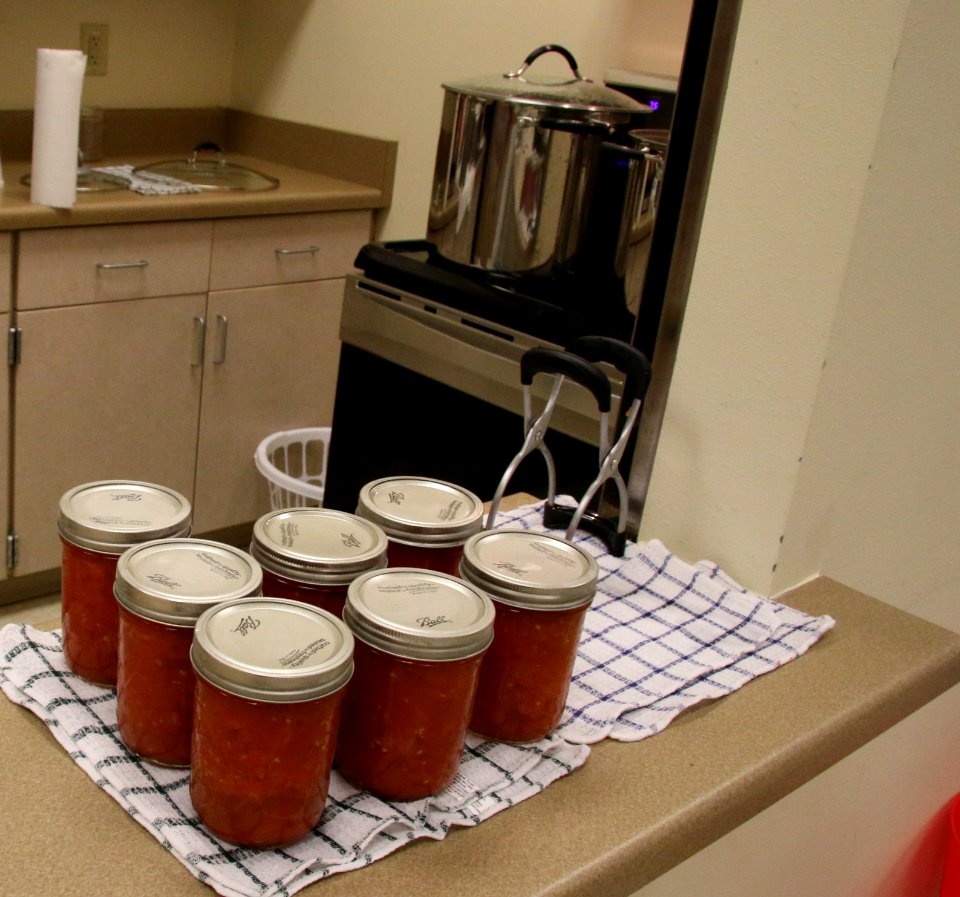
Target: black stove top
[(558, 308)]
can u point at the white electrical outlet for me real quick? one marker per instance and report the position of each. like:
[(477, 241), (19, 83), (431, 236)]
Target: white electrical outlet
[(93, 42)]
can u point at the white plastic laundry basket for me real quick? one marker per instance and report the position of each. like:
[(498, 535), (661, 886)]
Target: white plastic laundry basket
[(294, 463)]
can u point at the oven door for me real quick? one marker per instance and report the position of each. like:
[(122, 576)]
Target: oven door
[(426, 390)]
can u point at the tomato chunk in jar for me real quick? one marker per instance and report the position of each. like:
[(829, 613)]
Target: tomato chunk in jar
[(542, 587), (420, 638), (155, 685), (271, 675), (526, 673), (261, 771), (403, 735), (89, 614)]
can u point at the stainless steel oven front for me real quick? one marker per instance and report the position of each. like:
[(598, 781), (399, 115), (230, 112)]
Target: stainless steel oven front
[(425, 389)]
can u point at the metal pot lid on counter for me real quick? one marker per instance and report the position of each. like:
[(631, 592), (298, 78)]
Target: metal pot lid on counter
[(211, 173)]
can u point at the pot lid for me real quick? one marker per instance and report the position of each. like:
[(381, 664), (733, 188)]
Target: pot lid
[(211, 173), (575, 92)]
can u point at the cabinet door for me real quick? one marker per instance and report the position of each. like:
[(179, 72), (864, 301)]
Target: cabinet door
[(4, 442), (271, 364), (106, 391)]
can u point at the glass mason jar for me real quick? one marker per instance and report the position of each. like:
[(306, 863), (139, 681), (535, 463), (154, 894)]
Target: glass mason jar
[(541, 586), (97, 522), (426, 521), (420, 637), (162, 588), (270, 682), (313, 554)]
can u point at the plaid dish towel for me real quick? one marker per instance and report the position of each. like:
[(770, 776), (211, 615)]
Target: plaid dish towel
[(660, 636), (663, 635), (356, 829), (147, 183)]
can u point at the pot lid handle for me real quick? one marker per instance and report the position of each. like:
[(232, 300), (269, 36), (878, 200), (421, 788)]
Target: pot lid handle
[(547, 48)]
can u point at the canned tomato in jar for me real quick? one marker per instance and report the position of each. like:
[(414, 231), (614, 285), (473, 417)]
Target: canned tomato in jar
[(97, 522), (270, 681), (426, 521), (162, 588), (313, 554), (541, 586), (420, 637)]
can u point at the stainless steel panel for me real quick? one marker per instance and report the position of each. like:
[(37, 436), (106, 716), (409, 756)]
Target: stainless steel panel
[(460, 350)]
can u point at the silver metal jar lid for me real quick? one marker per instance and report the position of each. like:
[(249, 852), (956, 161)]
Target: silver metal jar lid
[(111, 515), (272, 649), (318, 545), (421, 511), (419, 614), (528, 569), (175, 580)]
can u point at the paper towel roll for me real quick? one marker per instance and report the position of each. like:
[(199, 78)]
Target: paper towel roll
[(56, 125)]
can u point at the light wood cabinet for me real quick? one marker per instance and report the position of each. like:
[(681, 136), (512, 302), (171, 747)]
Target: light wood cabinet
[(77, 265), (270, 364), (170, 371), (104, 391), (6, 256), (250, 252)]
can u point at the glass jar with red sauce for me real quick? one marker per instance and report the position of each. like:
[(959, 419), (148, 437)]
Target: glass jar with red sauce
[(313, 554), (541, 586), (97, 522), (420, 636), (426, 521), (162, 587), (270, 682)]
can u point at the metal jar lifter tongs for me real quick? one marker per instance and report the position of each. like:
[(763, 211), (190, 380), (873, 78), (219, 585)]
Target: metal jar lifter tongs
[(577, 363)]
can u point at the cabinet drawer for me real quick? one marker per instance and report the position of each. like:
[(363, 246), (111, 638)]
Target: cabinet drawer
[(80, 265), (249, 252), (6, 242)]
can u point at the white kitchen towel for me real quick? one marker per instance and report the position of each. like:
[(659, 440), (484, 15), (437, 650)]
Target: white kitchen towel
[(56, 127), (356, 829), (661, 635), (147, 183)]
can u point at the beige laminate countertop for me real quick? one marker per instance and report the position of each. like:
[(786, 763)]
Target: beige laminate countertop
[(632, 812), (299, 191)]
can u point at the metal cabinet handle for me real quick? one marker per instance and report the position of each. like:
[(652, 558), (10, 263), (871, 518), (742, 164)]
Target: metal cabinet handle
[(220, 354), (199, 332), (305, 250), (116, 266)]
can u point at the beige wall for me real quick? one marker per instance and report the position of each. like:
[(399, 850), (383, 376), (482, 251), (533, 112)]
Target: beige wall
[(878, 499), (161, 52)]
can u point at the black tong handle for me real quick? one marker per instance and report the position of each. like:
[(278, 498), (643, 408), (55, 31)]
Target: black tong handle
[(540, 360), (627, 359)]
